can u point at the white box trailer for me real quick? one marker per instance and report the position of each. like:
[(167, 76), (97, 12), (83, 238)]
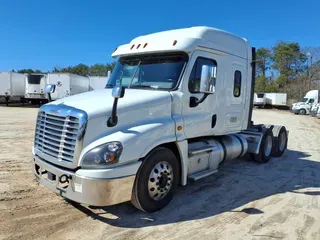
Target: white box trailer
[(276, 99), (12, 86), (67, 84), (35, 84), (98, 82)]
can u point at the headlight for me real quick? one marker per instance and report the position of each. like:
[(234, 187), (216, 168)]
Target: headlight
[(103, 155)]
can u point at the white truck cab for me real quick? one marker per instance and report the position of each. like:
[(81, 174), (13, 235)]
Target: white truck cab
[(178, 103), (259, 99), (304, 106)]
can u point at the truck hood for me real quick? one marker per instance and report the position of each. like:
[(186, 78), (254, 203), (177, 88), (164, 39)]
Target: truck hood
[(99, 103), (299, 104)]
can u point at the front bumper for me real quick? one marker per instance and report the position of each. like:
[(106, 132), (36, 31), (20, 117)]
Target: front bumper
[(81, 189), (35, 96), (295, 110)]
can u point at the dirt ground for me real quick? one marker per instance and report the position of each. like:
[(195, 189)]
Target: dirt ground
[(245, 200)]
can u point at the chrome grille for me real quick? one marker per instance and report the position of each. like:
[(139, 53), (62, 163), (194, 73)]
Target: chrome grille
[(57, 135)]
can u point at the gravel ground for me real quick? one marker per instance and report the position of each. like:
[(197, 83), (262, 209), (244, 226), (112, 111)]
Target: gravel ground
[(245, 200)]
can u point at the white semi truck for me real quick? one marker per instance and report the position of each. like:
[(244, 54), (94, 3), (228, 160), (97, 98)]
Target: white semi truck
[(35, 83), (177, 105), (259, 99), (12, 86), (304, 106)]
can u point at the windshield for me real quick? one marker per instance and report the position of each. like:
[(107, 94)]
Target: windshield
[(304, 100), (157, 71), (34, 79), (260, 95)]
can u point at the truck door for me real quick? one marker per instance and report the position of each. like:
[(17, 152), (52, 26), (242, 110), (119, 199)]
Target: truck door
[(202, 119), (236, 97)]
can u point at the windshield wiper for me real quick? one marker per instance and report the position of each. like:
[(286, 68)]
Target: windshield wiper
[(134, 74)]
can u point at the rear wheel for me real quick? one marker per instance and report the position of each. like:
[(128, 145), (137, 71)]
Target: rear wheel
[(156, 180), (266, 146), (280, 140)]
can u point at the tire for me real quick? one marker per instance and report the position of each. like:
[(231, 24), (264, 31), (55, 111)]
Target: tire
[(302, 111), (266, 147), (161, 166), (280, 138)]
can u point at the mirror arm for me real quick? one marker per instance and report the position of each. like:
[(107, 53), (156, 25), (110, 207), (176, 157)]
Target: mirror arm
[(113, 120), (49, 97), (195, 101)]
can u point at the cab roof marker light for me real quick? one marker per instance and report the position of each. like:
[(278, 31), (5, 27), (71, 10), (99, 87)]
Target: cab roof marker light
[(138, 45), (145, 45), (132, 47), (174, 42)]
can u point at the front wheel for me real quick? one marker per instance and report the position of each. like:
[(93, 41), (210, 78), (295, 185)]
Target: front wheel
[(302, 112), (156, 180)]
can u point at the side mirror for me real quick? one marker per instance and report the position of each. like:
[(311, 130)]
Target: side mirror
[(118, 92), (207, 81), (49, 88)]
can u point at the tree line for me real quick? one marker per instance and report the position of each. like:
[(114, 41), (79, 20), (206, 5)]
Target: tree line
[(284, 67), (80, 69), (287, 68)]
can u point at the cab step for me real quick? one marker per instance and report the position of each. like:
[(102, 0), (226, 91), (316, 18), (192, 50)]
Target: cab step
[(202, 174)]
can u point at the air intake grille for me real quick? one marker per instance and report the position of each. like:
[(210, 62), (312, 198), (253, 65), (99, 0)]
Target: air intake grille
[(57, 136)]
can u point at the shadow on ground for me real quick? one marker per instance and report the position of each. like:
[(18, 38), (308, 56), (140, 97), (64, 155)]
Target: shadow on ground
[(238, 183)]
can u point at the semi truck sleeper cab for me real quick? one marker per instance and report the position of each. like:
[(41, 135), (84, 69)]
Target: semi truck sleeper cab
[(177, 104)]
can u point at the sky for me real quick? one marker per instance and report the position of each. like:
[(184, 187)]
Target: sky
[(45, 34)]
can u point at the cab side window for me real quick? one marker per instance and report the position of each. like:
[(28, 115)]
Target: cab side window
[(194, 80), (237, 84)]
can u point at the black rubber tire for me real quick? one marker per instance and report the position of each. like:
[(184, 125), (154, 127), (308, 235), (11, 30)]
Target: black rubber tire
[(261, 157), (302, 111), (277, 130), (140, 194)]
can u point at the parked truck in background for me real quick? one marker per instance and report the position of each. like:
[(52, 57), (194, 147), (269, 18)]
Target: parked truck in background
[(34, 91), (259, 99), (12, 86), (177, 105), (67, 84), (304, 106)]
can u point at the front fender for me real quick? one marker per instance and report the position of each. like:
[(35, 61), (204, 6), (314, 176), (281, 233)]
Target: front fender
[(139, 140)]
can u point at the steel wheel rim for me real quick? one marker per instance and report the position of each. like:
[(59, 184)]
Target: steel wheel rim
[(160, 180), (268, 145), (282, 141)]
